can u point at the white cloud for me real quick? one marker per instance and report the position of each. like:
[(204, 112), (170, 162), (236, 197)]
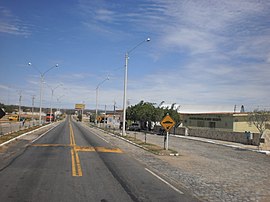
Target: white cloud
[(11, 24)]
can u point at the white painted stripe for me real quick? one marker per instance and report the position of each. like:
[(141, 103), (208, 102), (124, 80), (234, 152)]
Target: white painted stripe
[(175, 189), (101, 137), (43, 134), (4, 143)]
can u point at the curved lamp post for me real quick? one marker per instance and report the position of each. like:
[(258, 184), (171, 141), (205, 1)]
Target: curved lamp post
[(42, 76), (125, 84), (52, 89), (97, 97)]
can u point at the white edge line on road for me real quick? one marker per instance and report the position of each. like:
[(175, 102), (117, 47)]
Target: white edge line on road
[(4, 143), (175, 189), (89, 129), (43, 134), (100, 137)]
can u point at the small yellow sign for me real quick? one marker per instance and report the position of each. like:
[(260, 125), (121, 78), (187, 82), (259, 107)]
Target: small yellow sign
[(99, 118), (167, 122), (79, 106)]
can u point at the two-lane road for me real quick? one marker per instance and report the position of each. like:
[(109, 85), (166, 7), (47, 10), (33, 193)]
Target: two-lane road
[(71, 163)]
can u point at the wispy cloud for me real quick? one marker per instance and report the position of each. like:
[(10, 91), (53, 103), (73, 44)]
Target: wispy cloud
[(10, 24), (226, 45)]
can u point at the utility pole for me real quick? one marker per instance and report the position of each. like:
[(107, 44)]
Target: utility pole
[(114, 103), (105, 119), (20, 103), (33, 104)]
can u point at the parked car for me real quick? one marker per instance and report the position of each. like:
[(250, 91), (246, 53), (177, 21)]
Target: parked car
[(135, 127), (14, 117)]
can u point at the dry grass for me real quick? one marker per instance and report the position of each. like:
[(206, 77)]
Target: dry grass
[(10, 136), (155, 149)]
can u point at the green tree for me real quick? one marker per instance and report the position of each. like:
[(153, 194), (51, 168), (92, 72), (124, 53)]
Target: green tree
[(259, 118), (173, 113), (146, 111)]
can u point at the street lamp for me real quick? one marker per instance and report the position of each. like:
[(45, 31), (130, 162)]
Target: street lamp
[(125, 84), (52, 89), (97, 96), (42, 76), (59, 102)]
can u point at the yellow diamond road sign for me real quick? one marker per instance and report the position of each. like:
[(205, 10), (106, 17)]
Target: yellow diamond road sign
[(167, 122)]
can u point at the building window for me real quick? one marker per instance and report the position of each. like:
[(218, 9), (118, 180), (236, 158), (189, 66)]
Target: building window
[(212, 124), (200, 123)]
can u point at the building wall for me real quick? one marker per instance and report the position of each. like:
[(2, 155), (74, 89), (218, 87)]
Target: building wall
[(239, 137), (220, 121), (241, 124), (113, 121), (231, 122)]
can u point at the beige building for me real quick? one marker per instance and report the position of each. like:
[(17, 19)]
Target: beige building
[(234, 122)]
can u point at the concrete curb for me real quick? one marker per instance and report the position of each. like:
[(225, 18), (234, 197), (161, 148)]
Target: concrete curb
[(119, 137), (128, 141), (222, 144)]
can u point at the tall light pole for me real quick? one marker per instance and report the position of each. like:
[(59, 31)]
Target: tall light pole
[(33, 104), (52, 89), (20, 104), (42, 76), (125, 84), (59, 101), (97, 97)]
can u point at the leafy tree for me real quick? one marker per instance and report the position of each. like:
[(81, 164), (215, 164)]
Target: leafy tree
[(146, 111), (143, 111), (259, 118)]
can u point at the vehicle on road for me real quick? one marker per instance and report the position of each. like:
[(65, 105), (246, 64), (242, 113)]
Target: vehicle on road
[(49, 117), (135, 127), (14, 117)]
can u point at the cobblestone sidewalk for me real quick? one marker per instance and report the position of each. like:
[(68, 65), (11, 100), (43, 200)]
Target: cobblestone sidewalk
[(209, 171)]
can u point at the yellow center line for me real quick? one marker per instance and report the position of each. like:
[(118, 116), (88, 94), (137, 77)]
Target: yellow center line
[(75, 160), (82, 148)]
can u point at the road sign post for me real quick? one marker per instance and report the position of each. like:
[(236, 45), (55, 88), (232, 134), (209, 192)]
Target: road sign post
[(167, 123)]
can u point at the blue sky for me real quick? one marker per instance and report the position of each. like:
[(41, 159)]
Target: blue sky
[(201, 52)]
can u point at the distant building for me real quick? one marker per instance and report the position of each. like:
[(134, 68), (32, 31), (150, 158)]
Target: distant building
[(234, 122), (113, 119)]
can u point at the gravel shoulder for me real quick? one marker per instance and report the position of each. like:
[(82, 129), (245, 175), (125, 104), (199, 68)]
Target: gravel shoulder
[(208, 171)]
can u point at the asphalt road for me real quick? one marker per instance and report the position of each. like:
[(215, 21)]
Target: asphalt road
[(71, 163)]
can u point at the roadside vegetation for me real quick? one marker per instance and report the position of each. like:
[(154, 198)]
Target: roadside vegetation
[(155, 149), (148, 112), (261, 119), (7, 137)]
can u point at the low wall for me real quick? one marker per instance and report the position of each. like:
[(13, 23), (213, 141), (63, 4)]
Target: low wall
[(215, 134)]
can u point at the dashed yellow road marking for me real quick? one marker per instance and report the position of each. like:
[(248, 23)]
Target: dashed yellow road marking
[(50, 145), (75, 160), (82, 148), (103, 149), (85, 149)]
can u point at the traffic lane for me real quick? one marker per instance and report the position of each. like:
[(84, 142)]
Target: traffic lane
[(139, 182), (35, 175), (58, 135), (44, 173)]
